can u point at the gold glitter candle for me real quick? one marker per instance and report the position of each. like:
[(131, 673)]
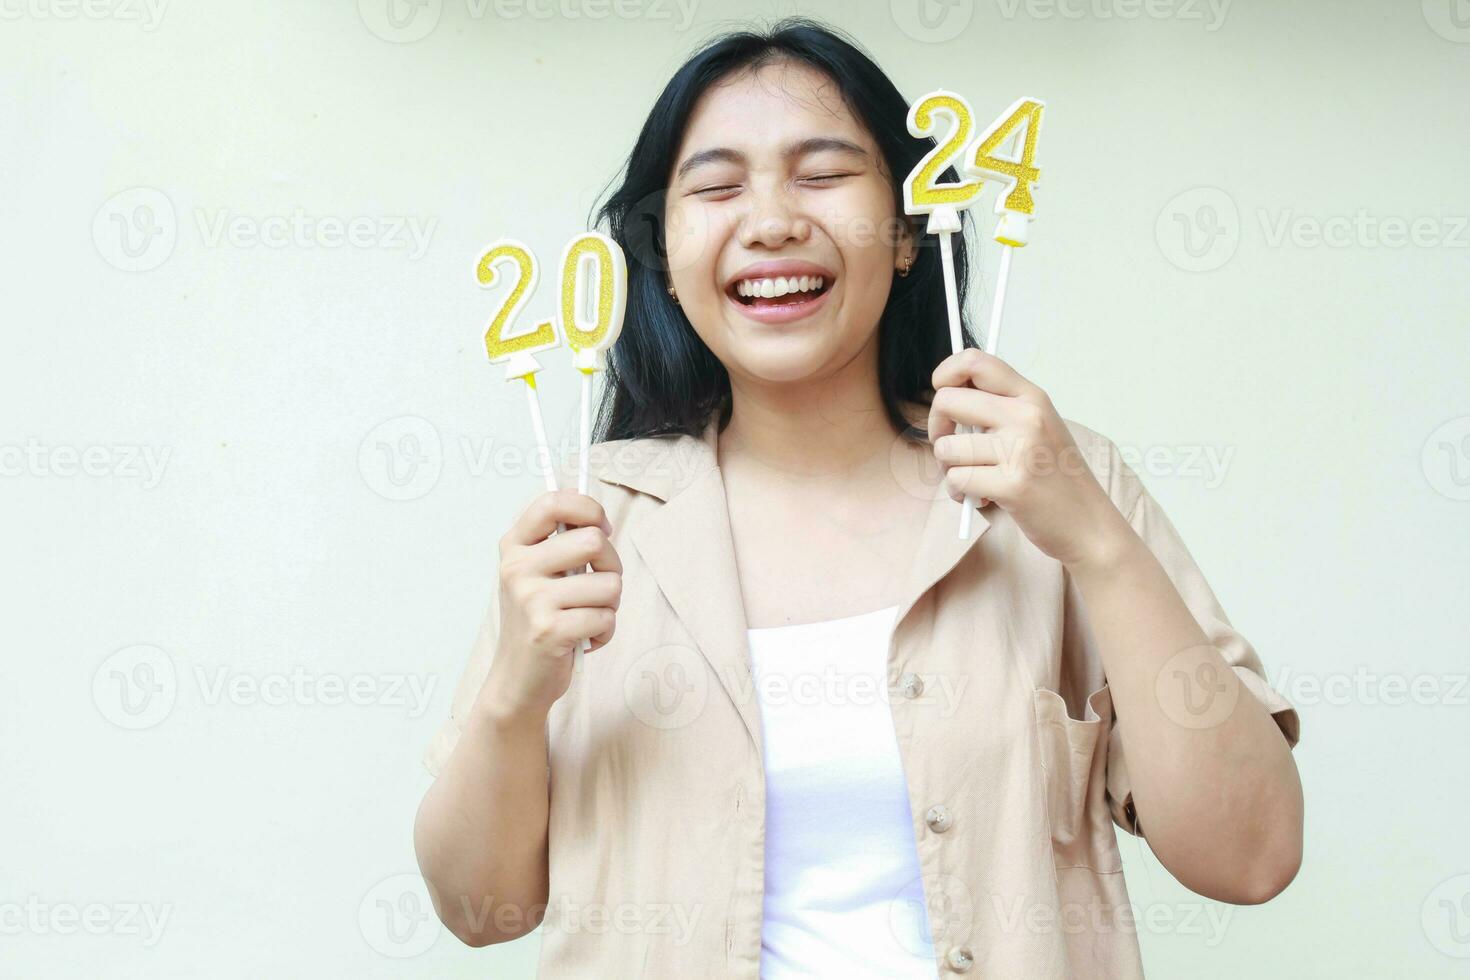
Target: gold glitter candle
[(1019, 173), (592, 261), (922, 193), (513, 351)]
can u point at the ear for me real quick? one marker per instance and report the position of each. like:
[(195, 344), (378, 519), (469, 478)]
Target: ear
[(906, 249)]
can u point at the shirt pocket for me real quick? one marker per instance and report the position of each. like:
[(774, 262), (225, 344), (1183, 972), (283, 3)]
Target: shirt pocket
[(1073, 754)]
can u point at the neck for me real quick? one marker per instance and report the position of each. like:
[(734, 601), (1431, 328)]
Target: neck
[(820, 430)]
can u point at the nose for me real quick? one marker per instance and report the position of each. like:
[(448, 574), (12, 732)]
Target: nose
[(772, 220)]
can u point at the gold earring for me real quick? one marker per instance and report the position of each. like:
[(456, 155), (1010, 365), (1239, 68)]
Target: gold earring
[(908, 265), (673, 295)]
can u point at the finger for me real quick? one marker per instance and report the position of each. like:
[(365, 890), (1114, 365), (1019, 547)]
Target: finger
[(972, 366), (601, 639), (587, 623), (573, 549), (969, 449), (967, 406), (984, 482), (596, 589), (554, 507)]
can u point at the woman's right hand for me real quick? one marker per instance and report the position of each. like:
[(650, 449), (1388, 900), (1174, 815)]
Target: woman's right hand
[(544, 614)]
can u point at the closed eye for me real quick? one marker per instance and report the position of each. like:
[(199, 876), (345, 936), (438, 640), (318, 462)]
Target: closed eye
[(825, 178), (717, 189)]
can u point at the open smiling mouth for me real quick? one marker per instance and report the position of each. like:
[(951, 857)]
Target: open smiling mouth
[(780, 298)]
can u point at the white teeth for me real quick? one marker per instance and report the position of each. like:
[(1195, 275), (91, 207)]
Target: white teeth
[(779, 286)]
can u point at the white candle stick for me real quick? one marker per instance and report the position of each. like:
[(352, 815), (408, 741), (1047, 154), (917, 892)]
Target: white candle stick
[(591, 258), (1015, 205), (583, 467), (517, 353), (923, 194)]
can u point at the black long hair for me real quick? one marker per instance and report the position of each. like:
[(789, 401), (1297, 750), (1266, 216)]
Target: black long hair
[(661, 377)]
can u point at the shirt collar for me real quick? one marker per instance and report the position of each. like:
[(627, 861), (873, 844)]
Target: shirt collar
[(687, 547)]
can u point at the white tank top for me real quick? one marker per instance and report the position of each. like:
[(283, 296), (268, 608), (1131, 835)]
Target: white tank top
[(843, 895)]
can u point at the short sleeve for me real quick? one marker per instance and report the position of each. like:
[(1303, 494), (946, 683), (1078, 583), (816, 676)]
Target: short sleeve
[(1150, 522), (468, 688)]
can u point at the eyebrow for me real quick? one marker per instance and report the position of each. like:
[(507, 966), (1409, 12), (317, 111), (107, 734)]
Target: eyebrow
[(801, 148)]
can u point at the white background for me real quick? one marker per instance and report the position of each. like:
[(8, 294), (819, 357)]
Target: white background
[(285, 391)]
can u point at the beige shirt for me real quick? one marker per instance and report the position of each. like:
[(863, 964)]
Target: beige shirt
[(1015, 770)]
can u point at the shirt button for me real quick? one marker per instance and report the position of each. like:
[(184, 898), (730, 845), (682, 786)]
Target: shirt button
[(938, 819), (911, 685), (960, 959)]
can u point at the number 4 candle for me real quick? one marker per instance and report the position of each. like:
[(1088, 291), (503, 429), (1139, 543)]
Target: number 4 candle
[(1015, 204)]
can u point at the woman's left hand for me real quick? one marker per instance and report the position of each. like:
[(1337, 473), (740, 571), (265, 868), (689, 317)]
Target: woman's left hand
[(1025, 460)]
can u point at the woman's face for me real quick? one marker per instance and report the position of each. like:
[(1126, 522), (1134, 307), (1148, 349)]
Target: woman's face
[(783, 237)]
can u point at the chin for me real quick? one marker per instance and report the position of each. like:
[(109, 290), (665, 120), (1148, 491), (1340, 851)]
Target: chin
[(787, 359)]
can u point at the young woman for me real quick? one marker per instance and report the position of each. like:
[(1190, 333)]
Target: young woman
[(818, 734)]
